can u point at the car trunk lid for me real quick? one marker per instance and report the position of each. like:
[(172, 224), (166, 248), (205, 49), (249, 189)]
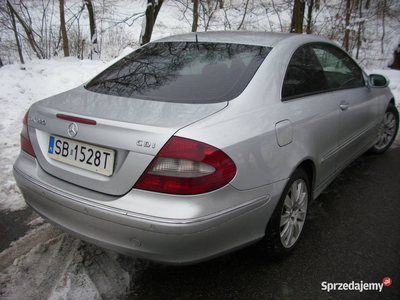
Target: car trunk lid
[(133, 130)]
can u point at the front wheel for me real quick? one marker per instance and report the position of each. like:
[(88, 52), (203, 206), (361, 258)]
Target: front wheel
[(387, 131), (287, 222)]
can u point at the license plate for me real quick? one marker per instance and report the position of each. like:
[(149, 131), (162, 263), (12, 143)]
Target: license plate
[(85, 156)]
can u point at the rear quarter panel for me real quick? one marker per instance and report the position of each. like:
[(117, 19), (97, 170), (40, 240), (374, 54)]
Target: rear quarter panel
[(246, 129)]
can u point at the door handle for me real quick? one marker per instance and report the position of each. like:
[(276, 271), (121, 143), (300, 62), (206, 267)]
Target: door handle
[(344, 105)]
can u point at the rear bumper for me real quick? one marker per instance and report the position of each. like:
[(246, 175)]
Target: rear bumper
[(157, 238)]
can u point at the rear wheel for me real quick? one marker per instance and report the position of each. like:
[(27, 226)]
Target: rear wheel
[(287, 222), (387, 131)]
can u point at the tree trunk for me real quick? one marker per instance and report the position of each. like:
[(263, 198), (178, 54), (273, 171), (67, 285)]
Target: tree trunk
[(309, 17), (92, 23), (195, 15), (396, 59), (383, 7), (63, 29), (298, 16), (152, 11), (360, 29), (346, 39), (14, 25)]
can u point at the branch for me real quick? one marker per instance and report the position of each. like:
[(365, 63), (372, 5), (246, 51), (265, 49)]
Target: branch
[(244, 15)]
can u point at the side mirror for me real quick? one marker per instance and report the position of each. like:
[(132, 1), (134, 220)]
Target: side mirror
[(377, 80)]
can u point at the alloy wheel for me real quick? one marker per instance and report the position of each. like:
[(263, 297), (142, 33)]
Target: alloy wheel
[(294, 212), (387, 130)]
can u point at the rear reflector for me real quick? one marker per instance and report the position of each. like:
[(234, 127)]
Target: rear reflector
[(187, 167)]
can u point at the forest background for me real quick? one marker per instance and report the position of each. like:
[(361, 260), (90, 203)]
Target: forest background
[(101, 29)]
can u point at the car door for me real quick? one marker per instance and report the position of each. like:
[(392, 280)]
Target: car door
[(357, 107), (305, 92)]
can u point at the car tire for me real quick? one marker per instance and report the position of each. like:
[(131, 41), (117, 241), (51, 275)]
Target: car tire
[(387, 131), (287, 222)]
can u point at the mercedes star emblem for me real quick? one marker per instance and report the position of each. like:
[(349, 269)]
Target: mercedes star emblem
[(72, 129)]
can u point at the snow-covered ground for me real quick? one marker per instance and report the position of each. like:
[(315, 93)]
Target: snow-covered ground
[(47, 263)]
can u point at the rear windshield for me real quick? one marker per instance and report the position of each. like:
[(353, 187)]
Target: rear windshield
[(182, 72)]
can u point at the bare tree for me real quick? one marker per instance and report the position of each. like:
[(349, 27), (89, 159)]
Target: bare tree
[(14, 25), (310, 5), (195, 15), (153, 8), (276, 13), (77, 40), (298, 16), (40, 26), (63, 29), (208, 9), (346, 39), (203, 12), (28, 30), (360, 28), (93, 34), (382, 11), (244, 15)]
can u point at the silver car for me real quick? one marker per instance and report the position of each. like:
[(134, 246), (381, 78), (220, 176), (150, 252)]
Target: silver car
[(199, 144)]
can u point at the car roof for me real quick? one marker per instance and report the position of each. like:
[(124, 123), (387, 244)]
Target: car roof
[(260, 38)]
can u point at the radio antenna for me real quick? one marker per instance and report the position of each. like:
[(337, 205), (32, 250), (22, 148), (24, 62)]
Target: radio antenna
[(197, 42)]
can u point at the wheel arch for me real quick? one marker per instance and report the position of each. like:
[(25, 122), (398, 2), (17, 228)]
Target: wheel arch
[(309, 167)]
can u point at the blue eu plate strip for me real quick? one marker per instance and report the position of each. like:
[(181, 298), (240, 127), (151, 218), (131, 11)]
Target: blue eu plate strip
[(51, 144)]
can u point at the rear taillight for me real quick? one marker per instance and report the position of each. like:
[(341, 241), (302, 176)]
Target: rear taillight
[(187, 167), (26, 144)]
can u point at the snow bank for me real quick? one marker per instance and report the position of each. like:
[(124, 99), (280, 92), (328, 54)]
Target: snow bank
[(50, 264), (18, 90)]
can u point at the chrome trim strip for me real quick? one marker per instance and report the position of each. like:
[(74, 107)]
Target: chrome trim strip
[(260, 201)]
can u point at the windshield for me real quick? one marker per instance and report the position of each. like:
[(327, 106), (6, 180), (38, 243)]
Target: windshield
[(182, 72)]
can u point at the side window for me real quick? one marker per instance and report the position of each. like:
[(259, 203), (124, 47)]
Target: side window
[(340, 70), (304, 75)]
